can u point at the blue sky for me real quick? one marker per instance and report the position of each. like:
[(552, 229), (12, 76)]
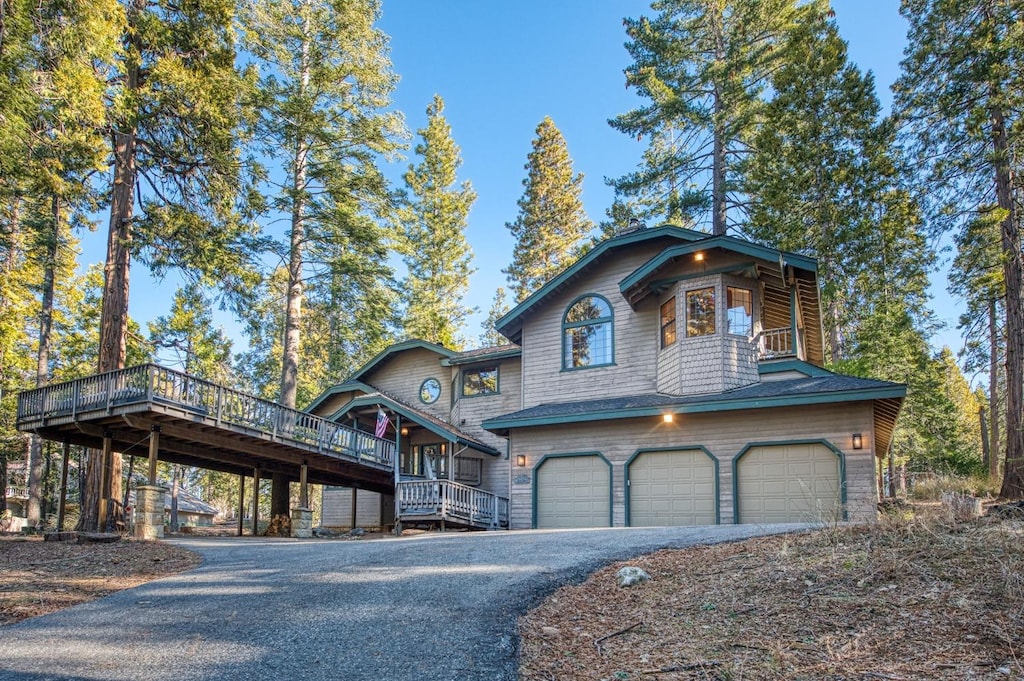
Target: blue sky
[(501, 67)]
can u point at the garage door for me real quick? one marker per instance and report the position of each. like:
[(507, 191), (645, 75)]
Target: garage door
[(672, 488), (787, 484), (573, 491)]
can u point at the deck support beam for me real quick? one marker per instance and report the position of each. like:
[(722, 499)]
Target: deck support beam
[(303, 486), (241, 503), (255, 501), (154, 451)]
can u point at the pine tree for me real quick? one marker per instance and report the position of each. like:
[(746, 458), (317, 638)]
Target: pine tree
[(703, 67), (490, 336), (188, 332), (434, 244), (551, 224), (324, 118), (961, 95)]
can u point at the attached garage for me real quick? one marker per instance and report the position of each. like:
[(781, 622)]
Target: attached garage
[(573, 491), (788, 483), (672, 488)]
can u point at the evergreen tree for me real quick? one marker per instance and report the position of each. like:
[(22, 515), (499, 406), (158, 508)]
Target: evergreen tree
[(961, 95), (703, 67), (323, 117), (198, 348), (551, 224), (434, 244), (490, 336)]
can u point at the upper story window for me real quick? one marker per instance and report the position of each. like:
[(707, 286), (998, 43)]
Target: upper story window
[(481, 381), (587, 333), (668, 322), (700, 312), (740, 307)]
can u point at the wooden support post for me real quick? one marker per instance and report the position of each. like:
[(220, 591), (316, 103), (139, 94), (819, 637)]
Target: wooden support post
[(62, 495), (106, 455), (353, 525), (303, 487), (255, 501), (154, 450), (241, 503)]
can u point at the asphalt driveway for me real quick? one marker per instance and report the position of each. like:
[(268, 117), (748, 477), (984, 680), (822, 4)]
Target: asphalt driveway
[(433, 607)]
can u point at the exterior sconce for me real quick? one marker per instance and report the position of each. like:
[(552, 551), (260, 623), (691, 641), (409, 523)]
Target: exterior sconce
[(405, 431), (858, 441), (698, 257), (667, 418), (520, 460)]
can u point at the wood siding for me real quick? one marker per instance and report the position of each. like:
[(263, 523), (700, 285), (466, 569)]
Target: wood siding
[(404, 373), (724, 434), (373, 510)]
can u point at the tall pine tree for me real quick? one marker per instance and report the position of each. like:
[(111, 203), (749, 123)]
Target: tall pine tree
[(433, 243), (961, 95), (551, 224)]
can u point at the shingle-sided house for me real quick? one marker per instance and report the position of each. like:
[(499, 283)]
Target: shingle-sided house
[(668, 377)]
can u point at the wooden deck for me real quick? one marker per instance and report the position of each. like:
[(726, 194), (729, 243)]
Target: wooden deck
[(446, 502), (206, 425)]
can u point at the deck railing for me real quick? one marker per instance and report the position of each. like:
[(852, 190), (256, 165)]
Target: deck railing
[(12, 492), (451, 501), (776, 343), (223, 406)]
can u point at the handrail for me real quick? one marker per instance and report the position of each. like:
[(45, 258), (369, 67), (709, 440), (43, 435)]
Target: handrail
[(152, 383), (775, 343), (451, 500)]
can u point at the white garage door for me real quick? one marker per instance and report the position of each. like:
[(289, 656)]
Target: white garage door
[(672, 488), (573, 491), (788, 484)]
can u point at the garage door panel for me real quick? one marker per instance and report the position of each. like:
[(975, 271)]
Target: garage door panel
[(672, 488), (573, 491), (787, 483)]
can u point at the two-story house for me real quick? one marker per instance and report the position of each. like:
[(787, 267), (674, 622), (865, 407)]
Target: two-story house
[(668, 377)]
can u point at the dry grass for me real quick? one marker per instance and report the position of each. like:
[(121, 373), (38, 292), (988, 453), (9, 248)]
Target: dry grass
[(900, 600), (38, 577)]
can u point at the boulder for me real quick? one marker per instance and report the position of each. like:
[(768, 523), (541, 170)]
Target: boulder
[(630, 575)]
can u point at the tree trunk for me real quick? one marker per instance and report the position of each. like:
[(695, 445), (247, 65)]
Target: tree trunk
[(35, 454), (993, 392), (1013, 471), (719, 161)]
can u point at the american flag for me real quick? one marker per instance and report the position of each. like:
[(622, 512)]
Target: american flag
[(382, 423)]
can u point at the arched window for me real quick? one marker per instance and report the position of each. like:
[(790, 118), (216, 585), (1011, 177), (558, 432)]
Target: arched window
[(587, 333)]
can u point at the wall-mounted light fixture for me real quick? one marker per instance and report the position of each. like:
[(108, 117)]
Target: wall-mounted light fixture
[(858, 441), (520, 460), (405, 431), (667, 418), (698, 257)]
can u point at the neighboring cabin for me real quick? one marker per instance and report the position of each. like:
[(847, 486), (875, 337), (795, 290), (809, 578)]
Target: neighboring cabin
[(668, 377)]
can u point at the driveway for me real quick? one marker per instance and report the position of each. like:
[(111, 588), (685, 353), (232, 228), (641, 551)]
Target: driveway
[(426, 608)]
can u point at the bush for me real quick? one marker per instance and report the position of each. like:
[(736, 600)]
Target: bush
[(931, 486)]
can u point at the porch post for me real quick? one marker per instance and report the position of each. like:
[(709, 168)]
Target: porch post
[(303, 490), (63, 486), (154, 450), (241, 503), (255, 500), (398, 473), (353, 525)]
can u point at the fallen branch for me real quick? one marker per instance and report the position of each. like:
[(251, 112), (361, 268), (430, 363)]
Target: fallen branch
[(682, 667), (599, 641)]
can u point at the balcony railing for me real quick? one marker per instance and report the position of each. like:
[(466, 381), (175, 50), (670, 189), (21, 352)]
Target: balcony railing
[(220, 405), (773, 343), (446, 500)]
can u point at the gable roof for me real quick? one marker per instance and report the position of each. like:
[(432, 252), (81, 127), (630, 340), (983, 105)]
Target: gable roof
[(511, 324), (422, 418), (400, 347), (346, 387), (484, 355)]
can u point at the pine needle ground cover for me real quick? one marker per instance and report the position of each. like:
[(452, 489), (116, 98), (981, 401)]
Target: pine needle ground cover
[(899, 600)]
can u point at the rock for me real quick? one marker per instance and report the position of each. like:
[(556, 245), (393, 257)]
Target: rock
[(356, 532), (550, 631), (630, 575)]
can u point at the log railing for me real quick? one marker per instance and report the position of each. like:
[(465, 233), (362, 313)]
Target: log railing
[(449, 500), (221, 405)]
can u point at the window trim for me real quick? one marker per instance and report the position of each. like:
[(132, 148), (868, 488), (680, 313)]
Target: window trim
[(610, 320), (479, 369), (440, 390), (665, 324), (714, 313)]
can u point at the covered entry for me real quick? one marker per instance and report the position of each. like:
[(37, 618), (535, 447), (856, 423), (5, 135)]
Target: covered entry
[(572, 491), (788, 483), (672, 488)]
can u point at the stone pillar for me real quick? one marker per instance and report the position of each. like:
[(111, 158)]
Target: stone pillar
[(149, 511), (302, 523)]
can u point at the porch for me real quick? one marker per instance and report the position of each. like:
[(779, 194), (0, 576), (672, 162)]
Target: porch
[(450, 503)]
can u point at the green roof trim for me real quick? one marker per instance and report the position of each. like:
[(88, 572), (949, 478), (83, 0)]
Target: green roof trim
[(698, 407), (432, 424), (775, 366), (347, 386), (636, 236), (401, 347), (728, 243)]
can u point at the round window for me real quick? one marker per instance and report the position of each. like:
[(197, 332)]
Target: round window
[(430, 390)]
